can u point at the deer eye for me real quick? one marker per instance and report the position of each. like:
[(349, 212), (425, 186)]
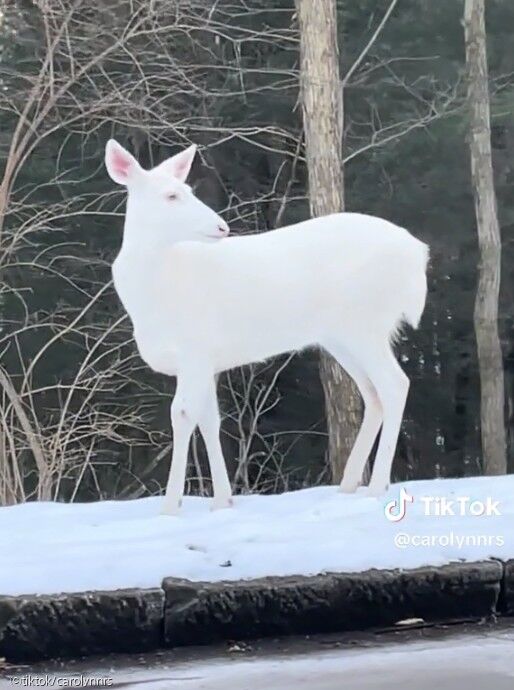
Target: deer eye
[(172, 196)]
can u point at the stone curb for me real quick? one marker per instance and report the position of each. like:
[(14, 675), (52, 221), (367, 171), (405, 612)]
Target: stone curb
[(186, 613), (201, 613), (42, 627), (507, 592)]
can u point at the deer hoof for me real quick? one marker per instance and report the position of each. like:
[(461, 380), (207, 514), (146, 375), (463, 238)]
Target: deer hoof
[(222, 503)]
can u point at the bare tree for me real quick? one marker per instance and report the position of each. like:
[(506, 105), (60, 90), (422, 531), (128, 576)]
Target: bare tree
[(486, 303), (141, 68), (321, 93)]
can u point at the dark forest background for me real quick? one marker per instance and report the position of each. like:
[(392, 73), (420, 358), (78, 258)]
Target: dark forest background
[(81, 417)]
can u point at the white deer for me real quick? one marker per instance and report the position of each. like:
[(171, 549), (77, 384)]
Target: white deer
[(200, 305)]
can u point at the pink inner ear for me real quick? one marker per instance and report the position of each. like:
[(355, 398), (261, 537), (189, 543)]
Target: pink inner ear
[(182, 167), (120, 163)]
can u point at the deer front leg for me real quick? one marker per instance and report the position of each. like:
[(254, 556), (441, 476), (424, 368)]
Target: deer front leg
[(186, 409)]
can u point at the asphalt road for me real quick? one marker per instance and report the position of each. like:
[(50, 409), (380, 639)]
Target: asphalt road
[(449, 658)]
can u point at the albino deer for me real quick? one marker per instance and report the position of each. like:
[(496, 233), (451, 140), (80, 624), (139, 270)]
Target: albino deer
[(201, 305)]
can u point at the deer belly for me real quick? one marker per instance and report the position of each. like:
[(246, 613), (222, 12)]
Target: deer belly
[(248, 346)]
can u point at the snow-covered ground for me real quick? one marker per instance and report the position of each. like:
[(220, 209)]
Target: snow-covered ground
[(56, 547)]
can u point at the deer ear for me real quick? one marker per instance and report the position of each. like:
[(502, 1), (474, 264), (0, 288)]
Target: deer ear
[(120, 164), (179, 166)]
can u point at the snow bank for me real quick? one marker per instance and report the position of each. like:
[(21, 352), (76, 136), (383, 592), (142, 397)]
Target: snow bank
[(54, 547)]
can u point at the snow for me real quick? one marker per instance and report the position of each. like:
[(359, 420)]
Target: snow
[(55, 547)]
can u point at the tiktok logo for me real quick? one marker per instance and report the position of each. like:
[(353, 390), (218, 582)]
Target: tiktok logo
[(396, 510)]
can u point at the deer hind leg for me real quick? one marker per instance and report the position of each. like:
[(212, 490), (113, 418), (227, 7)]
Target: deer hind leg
[(186, 409), (371, 421), (392, 386), (209, 424)]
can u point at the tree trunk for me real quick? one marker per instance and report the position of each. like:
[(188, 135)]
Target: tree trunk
[(486, 302), (321, 93)]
